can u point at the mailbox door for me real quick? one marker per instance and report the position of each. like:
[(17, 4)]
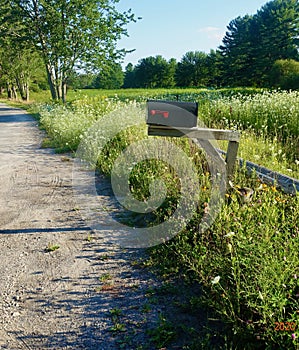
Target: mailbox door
[(172, 113)]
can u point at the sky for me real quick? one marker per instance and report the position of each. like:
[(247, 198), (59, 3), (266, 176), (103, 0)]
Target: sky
[(173, 27)]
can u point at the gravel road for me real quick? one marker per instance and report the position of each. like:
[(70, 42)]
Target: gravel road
[(84, 295)]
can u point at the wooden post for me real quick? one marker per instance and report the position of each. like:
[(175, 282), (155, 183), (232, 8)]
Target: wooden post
[(231, 157)]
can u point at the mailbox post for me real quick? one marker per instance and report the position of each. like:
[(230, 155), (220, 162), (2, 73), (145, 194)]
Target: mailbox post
[(179, 119)]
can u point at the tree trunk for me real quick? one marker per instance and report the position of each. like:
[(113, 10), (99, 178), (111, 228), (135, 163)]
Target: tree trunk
[(51, 81), (63, 89), (27, 92), (14, 92), (21, 86), (9, 92)]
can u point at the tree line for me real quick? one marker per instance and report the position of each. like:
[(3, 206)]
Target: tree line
[(259, 50), (62, 43)]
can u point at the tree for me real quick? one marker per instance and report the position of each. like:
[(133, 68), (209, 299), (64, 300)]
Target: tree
[(193, 70), (278, 35), (237, 52), (170, 78), (19, 67), (154, 72), (253, 43), (130, 76), (285, 74), (81, 80), (68, 34), (111, 77), (19, 59), (214, 69)]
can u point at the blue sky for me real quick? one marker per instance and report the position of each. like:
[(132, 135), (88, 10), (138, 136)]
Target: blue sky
[(172, 27)]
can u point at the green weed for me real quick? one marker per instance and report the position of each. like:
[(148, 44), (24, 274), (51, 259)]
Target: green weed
[(52, 247)]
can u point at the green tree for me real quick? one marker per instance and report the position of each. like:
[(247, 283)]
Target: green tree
[(170, 79), (130, 76), (193, 70), (111, 77), (154, 72), (278, 29), (214, 69), (20, 66), (81, 80), (68, 34), (237, 52), (253, 43), (285, 74)]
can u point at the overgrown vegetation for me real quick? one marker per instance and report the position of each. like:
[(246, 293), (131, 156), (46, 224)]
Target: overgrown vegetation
[(271, 125), (247, 265), (268, 120), (247, 261)]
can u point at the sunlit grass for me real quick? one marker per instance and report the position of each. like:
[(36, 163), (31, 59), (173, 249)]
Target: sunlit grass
[(270, 125), (265, 152)]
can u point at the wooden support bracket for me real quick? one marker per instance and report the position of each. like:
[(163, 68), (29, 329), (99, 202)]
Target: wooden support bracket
[(204, 135)]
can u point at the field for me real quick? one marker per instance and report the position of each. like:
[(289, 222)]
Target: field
[(269, 121), (247, 261)]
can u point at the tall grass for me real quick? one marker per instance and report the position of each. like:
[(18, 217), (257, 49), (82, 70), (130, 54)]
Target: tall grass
[(65, 124), (247, 264), (271, 120), (141, 95), (269, 113)]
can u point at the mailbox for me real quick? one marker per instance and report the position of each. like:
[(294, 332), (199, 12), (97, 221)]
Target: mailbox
[(172, 113)]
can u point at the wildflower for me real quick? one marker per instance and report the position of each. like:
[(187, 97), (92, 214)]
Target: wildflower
[(294, 336), (206, 208), (215, 280), (230, 234)]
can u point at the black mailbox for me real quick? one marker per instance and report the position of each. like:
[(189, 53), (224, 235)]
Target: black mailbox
[(172, 113)]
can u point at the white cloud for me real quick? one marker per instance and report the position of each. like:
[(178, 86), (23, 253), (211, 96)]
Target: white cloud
[(212, 32), (209, 29)]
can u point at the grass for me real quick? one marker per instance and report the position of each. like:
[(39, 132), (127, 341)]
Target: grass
[(247, 261), (163, 334), (247, 265), (267, 152), (269, 121), (190, 94), (52, 247), (270, 125)]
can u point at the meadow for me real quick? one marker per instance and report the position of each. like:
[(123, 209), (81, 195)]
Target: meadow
[(268, 120), (247, 262)]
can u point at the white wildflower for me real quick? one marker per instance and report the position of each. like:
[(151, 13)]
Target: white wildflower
[(215, 280), (230, 234)]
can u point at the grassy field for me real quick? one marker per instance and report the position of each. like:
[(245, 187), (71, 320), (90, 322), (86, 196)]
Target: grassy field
[(247, 262), (269, 122)]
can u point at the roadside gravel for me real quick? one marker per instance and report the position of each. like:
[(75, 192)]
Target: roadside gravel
[(86, 294)]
